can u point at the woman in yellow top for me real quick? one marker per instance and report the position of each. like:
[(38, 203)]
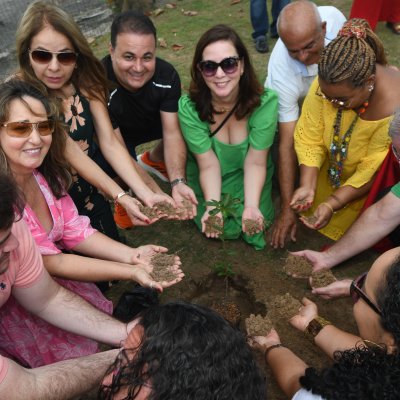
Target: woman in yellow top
[(342, 137)]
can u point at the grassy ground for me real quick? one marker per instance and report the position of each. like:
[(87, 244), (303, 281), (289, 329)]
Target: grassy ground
[(260, 273), (178, 29)]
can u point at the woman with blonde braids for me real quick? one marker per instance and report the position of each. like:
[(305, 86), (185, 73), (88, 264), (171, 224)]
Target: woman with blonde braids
[(342, 137)]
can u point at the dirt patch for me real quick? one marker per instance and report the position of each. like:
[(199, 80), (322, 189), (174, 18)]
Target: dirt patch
[(214, 225), (229, 310), (162, 264), (252, 226), (298, 266), (257, 325), (149, 212), (284, 307), (322, 278)]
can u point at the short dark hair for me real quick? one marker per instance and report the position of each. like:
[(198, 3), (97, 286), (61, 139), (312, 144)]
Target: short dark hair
[(250, 89), (134, 22), (11, 201), (187, 352)]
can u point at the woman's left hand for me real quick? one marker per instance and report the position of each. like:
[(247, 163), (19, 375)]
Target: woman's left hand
[(254, 214), (323, 215), (307, 312)]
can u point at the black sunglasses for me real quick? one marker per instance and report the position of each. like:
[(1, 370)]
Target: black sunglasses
[(229, 65), (357, 293), (63, 57)]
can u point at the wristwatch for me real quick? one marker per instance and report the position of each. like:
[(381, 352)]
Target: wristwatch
[(315, 326), (177, 181)]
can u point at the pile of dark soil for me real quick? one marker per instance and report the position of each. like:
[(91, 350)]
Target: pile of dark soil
[(284, 307), (229, 310), (257, 325), (252, 226), (214, 225), (322, 278), (298, 266), (162, 264)]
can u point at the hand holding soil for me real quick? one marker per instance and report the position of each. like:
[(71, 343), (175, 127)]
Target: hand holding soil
[(165, 269), (309, 221), (213, 226), (322, 278), (256, 325), (251, 226), (297, 267), (285, 307)]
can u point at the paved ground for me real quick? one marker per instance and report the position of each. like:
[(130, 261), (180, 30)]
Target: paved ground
[(93, 16)]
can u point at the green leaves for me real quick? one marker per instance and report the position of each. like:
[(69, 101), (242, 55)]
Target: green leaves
[(226, 206)]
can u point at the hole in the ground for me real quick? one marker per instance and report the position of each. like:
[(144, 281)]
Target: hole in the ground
[(228, 296)]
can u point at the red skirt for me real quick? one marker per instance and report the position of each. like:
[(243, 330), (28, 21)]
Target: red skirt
[(376, 10)]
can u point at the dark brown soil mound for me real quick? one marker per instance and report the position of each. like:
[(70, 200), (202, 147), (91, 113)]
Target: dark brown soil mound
[(149, 212), (214, 225), (229, 310), (322, 278), (299, 266), (311, 220), (285, 307), (252, 226), (256, 325), (161, 267), (166, 208)]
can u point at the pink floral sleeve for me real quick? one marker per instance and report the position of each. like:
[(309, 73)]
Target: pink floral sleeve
[(69, 228)]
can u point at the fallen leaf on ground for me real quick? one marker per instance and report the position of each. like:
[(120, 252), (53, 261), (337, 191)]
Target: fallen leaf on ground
[(235, 2), (170, 5), (157, 12), (162, 43), (190, 13), (177, 47)]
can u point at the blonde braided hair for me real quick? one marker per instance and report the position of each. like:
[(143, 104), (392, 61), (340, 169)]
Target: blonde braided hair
[(352, 55)]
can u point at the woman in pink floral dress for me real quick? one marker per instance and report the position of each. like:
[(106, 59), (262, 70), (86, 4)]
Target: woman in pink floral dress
[(32, 144)]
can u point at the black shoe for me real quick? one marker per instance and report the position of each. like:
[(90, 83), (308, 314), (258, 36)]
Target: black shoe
[(261, 44), (274, 36)]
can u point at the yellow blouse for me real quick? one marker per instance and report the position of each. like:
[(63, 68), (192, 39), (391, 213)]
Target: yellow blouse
[(367, 149)]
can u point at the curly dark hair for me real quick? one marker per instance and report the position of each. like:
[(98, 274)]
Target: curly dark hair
[(54, 167), (366, 373), (388, 300), (362, 373), (187, 352), (250, 89), (11, 201)]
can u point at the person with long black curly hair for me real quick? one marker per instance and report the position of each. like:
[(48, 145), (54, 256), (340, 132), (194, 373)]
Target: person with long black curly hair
[(365, 367), (183, 351)]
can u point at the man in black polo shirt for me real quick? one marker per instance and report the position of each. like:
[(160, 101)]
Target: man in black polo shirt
[(143, 106)]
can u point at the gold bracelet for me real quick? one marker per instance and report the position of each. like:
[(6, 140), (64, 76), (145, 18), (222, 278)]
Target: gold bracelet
[(328, 205)]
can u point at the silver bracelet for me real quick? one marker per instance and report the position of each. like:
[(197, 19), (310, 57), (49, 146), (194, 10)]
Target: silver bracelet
[(178, 181), (119, 195)]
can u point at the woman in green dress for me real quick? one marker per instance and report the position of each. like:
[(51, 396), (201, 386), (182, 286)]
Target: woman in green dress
[(228, 121)]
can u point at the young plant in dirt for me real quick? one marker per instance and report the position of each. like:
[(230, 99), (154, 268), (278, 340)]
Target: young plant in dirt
[(226, 206), (224, 270)]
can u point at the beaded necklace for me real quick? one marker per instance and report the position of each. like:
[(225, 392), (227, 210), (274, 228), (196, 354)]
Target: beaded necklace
[(339, 146)]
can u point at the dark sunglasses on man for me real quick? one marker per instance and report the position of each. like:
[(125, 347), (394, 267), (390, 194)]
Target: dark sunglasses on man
[(356, 293), (45, 57)]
